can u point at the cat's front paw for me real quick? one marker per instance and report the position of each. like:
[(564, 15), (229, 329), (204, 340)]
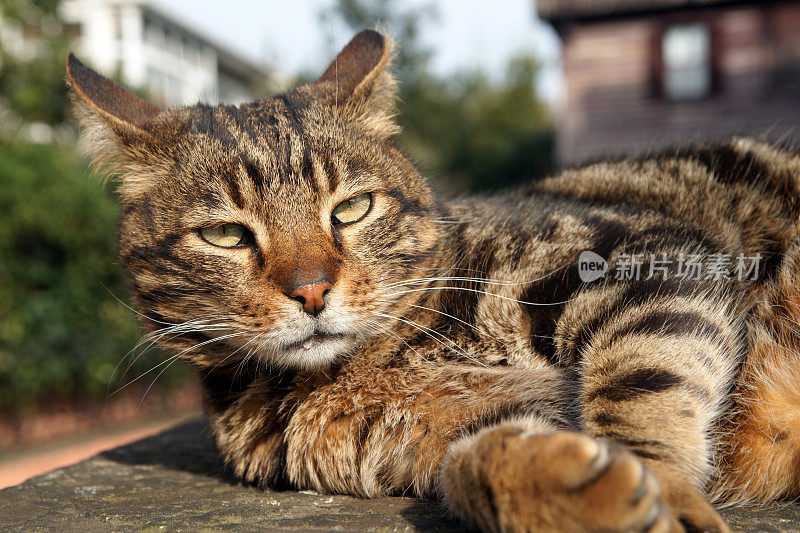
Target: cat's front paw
[(505, 479)]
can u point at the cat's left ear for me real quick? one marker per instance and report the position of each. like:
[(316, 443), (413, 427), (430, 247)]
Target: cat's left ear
[(359, 80)]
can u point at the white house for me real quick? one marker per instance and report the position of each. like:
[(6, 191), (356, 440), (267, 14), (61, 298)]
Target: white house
[(150, 49)]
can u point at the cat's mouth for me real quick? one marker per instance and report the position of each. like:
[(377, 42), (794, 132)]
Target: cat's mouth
[(315, 340), (315, 347)]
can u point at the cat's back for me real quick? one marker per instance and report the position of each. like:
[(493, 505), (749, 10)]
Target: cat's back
[(739, 196), (744, 193)]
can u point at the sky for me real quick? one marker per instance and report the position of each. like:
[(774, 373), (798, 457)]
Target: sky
[(289, 35)]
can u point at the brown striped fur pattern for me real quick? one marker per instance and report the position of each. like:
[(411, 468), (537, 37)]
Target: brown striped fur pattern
[(458, 354)]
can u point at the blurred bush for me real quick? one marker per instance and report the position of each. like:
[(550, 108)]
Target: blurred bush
[(32, 64), (61, 331), (472, 133)]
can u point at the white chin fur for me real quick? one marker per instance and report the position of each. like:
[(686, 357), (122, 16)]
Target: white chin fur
[(320, 355)]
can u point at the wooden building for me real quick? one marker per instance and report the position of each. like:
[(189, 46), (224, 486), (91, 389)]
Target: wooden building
[(643, 74)]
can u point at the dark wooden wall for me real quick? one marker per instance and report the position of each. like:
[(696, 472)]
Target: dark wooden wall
[(613, 105)]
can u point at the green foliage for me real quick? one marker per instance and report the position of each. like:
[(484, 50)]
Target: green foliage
[(32, 80), (473, 133), (61, 330), (468, 132)]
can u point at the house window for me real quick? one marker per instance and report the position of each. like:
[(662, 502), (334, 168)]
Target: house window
[(153, 33), (118, 23), (686, 61)]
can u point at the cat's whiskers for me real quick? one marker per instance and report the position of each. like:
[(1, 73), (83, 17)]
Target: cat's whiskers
[(134, 310), (485, 281), (249, 355), (178, 355), (467, 289), (152, 338), (243, 361), (450, 269), (454, 219), (482, 332), (391, 275), (186, 327), (430, 332), (443, 314), (234, 352), (444, 273), (171, 361), (384, 329)]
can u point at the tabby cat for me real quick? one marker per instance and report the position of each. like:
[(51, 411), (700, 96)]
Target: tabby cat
[(353, 334)]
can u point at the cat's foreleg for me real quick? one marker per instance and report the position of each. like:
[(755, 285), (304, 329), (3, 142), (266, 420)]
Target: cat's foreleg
[(495, 444), (389, 435), (656, 362)]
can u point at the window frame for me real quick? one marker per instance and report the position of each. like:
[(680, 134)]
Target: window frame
[(658, 72)]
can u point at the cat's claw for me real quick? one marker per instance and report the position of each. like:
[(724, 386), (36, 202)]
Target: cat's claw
[(560, 481)]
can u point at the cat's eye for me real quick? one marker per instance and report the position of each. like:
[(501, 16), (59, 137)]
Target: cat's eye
[(352, 210), (227, 235)]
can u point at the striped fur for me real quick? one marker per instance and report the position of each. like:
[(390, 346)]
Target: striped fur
[(462, 357)]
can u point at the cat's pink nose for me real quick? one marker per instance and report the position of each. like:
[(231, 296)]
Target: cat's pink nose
[(312, 296)]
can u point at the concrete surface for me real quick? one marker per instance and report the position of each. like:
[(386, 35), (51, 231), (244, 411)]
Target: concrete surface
[(174, 482)]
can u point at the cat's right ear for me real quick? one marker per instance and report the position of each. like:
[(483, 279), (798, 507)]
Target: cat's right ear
[(360, 83), (120, 108), (107, 114)]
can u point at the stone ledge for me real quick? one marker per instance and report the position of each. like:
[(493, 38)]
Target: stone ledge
[(174, 481)]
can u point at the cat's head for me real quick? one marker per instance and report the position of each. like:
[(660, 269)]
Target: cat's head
[(272, 230)]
